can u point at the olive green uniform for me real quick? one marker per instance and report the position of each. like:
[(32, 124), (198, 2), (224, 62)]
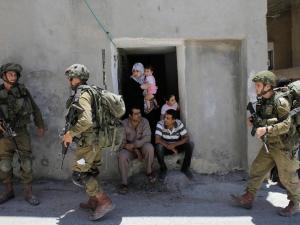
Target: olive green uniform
[(282, 148), (88, 154), (17, 106)]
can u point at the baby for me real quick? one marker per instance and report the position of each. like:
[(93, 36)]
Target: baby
[(150, 89), (170, 104)]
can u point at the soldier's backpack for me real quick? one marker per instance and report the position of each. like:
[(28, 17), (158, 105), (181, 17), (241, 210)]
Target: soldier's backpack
[(292, 94), (108, 108)]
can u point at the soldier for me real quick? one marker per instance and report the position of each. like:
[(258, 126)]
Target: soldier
[(17, 106), (87, 155), (280, 143)]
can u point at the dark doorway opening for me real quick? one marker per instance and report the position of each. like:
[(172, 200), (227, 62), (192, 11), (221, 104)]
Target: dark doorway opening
[(165, 69), (164, 62)]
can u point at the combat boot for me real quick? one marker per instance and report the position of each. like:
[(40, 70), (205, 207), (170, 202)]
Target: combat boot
[(104, 205), (244, 201), (290, 210), (8, 193), (90, 204), (29, 197)]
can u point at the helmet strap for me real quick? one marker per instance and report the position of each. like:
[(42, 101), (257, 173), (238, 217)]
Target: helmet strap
[(263, 92), (4, 78)]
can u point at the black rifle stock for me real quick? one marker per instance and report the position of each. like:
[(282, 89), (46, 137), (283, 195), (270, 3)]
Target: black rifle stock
[(254, 118), (71, 119), (256, 121)]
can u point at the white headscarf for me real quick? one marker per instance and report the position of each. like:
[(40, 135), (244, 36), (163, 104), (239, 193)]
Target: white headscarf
[(138, 66)]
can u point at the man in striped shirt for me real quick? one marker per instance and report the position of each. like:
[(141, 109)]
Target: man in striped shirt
[(171, 137)]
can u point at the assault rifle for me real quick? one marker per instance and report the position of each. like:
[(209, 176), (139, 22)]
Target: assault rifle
[(8, 132), (256, 121), (71, 119)]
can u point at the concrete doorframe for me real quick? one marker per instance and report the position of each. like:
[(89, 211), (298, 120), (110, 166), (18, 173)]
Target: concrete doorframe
[(128, 43)]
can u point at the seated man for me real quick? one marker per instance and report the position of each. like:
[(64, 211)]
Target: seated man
[(171, 137), (136, 144)]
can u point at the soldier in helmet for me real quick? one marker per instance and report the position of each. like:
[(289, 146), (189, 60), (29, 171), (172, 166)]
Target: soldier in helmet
[(280, 143), (16, 107), (87, 155)]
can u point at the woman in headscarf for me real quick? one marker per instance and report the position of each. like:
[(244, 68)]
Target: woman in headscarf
[(133, 94)]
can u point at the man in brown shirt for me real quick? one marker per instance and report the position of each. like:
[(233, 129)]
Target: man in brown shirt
[(136, 144)]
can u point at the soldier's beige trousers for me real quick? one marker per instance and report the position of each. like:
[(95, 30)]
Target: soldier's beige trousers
[(287, 166), (86, 159), (7, 151)]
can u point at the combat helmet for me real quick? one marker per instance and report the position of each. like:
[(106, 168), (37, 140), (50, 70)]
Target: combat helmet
[(78, 70), (11, 67), (266, 77)]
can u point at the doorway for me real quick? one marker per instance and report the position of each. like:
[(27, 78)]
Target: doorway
[(164, 62)]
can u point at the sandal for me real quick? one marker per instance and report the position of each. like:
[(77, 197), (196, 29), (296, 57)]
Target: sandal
[(32, 200), (123, 190), (151, 178)]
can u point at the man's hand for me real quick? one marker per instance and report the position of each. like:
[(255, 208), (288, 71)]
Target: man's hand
[(171, 146), (250, 122), (174, 150), (40, 132), (260, 132), (67, 139), (138, 154), (129, 147)]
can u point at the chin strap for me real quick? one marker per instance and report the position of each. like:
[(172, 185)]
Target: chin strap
[(265, 92), (4, 78)]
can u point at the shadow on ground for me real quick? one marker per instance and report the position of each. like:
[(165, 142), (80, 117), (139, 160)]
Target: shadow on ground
[(205, 200)]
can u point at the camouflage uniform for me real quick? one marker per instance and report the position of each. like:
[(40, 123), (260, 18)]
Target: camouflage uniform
[(282, 145), (85, 132), (87, 155), (281, 148), (17, 105)]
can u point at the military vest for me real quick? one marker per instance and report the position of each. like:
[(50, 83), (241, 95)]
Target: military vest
[(16, 105), (107, 108), (267, 110), (89, 136)]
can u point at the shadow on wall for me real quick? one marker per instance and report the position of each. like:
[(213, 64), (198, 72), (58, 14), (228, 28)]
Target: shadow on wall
[(50, 92)]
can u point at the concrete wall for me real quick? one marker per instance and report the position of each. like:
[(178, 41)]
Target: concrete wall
[(215, 100), (47, 36), (280, 33)]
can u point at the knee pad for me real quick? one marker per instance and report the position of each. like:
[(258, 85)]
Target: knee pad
[(26, 165), (80, 178), (5, 165)]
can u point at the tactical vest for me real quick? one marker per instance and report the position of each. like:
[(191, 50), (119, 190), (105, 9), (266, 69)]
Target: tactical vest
[(89, 136), (107, 109), (16, 105), (266, 109)]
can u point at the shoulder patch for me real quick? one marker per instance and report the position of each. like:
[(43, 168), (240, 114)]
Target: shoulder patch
[(283, 107), (283, 102)]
